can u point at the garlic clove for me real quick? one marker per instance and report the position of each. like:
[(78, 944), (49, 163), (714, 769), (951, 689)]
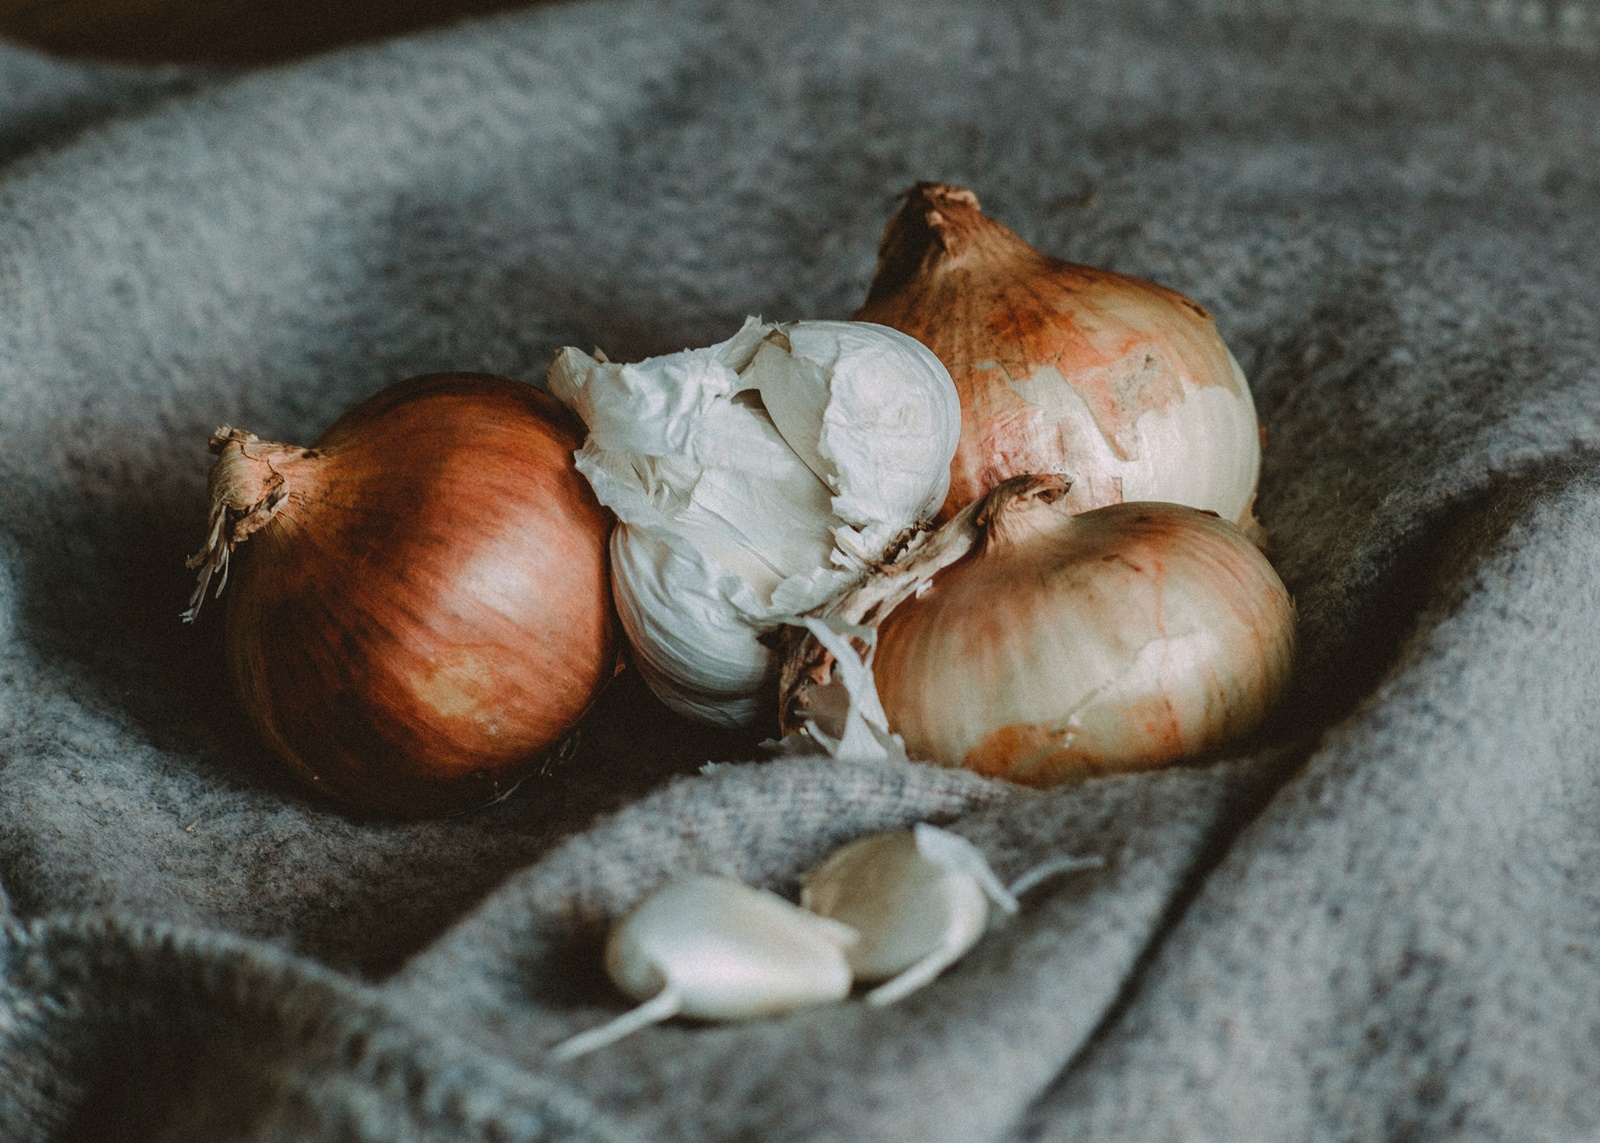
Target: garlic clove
[(712, 948), (919, 899), (912, 895), (731, 952), (880, 440)]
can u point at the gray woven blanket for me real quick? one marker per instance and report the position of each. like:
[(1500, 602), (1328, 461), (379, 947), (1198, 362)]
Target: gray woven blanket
[(1383, 922)]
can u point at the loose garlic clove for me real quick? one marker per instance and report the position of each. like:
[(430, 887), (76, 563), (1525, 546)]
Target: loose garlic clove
[(730, 951), (920, 898), (711, 948)]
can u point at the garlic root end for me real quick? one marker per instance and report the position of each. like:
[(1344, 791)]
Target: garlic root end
[(922, 973), (664, 1005), (1055, 867)]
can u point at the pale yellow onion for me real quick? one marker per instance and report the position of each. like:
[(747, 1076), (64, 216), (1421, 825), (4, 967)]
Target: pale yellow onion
[(1070, 645), (1027, 642), (1121, 385)]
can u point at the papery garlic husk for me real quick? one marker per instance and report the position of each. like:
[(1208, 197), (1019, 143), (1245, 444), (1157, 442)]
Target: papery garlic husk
[(752, 480), (1123, 386), (1027, 642)]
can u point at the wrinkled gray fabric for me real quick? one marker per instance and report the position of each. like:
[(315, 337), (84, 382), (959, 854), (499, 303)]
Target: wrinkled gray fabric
[(1378, 921)]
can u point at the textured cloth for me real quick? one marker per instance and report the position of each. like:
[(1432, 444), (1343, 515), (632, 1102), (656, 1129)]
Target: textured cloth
[(1381, 920)]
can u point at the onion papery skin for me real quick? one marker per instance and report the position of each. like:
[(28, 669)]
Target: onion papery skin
[(428, 613), (1121, 639), (1121, 385)]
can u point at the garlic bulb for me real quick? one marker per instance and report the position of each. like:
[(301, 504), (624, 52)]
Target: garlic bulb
[(1120, 385), (751, 480), (1028, 642), (712, 948)]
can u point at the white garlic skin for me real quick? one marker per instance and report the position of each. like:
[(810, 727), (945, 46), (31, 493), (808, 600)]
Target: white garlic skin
[(727, 951), (873, 440), (711, 671), (905, 906), (751, 480)]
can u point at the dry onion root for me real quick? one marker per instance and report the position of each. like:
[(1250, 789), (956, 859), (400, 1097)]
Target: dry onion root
[(422, 610), (1122, 386), (1027, 642)]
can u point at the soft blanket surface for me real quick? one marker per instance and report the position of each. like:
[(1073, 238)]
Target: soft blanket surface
[(1381, 922)]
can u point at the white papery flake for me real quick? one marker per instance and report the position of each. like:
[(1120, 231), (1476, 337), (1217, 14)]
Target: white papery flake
[(752, 480)]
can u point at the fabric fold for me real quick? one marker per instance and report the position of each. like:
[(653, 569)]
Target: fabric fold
[(1374, 921)]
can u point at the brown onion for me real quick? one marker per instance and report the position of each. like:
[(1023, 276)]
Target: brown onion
[(1120, 385), (1030, 643), (423, 608)]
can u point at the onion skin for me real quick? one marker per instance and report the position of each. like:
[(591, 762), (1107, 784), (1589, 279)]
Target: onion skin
[(1068, 646), (427, 612), (1121, 385)]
